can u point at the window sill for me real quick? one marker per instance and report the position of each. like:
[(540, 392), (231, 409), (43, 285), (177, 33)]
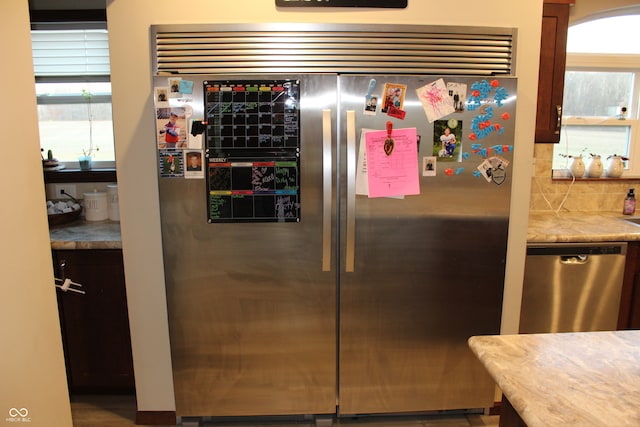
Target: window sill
[(77, 175)]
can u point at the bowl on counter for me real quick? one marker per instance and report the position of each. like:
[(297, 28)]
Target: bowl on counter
[(63, 212), (63, 218)]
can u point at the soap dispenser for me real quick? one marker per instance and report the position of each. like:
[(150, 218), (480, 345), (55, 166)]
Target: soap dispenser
[(629, 203)]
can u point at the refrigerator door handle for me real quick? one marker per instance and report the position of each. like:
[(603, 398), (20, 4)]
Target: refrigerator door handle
[(351, 192), (326, 190)]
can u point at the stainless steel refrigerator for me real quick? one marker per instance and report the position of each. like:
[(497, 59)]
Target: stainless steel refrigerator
[(337, 303)]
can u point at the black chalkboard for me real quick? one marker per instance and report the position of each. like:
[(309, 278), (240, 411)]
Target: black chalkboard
[(253, 151)]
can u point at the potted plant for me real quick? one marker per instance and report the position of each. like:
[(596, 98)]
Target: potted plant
[(86, 159)]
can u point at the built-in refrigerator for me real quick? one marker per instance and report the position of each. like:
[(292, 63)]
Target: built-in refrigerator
[(306, 272)]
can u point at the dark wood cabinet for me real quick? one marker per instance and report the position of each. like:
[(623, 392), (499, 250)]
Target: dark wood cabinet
[(629, 316), (553, 47), (95, 325)]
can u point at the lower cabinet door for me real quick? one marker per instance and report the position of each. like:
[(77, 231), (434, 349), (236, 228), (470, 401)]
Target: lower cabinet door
[(95, 325)]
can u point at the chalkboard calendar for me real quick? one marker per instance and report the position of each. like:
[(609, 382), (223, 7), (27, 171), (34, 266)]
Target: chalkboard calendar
[(253, 150)]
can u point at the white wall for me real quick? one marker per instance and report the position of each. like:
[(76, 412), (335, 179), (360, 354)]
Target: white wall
[(129, 24), (32, 372)]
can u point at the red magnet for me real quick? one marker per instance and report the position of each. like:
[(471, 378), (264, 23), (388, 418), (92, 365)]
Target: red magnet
[(389, 143)]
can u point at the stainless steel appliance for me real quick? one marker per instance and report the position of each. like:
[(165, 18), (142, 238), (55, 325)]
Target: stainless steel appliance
[(572, 287), (354, 304)]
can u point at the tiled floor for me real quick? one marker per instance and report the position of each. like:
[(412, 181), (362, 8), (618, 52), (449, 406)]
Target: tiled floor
[(120, 411)]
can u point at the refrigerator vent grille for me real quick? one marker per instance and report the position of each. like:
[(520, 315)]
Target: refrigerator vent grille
[(314, 48)]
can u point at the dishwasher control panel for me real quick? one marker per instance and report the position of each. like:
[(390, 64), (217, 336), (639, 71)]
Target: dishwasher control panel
[(573, 249)]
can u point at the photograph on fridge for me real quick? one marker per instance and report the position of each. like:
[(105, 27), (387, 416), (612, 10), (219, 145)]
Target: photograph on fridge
[(394, 94), (193, 167), (371, 105), (161, 96), (174, 87), (171, 125), (171, 164), (429, 164), (457, 93), (447, 140)]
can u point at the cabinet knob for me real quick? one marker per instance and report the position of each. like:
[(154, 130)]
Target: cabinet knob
[(559, 118)]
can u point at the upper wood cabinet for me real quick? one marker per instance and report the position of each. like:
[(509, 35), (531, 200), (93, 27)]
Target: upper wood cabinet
[(553, 47)]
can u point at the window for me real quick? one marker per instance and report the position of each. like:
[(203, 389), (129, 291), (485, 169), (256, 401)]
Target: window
[(71, 65), (602, 83)]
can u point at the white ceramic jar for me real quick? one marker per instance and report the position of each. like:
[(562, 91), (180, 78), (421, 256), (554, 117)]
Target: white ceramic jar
[(615, 167), (595, 167), (112, 202), (577, 167), (95, 206)]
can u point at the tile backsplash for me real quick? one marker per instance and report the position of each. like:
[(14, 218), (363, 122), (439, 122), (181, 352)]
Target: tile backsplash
[(595, 195)]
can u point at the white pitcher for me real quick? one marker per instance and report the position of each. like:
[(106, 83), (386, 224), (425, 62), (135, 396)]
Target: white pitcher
[(577, 167), (615, 167), (595, 167)]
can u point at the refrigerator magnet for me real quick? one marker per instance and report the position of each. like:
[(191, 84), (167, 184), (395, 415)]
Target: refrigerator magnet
[(494, 169), (370, 105), (371, 100), (396, 113)]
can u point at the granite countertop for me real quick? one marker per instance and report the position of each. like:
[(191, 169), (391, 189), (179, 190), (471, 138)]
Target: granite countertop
[(567, 379), (83, 234), (543, 228), (581, 227)]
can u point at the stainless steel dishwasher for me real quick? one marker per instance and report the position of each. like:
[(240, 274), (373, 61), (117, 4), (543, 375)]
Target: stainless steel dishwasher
[(572, 287)]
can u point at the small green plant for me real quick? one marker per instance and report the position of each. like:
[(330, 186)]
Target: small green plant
[(88, 152)]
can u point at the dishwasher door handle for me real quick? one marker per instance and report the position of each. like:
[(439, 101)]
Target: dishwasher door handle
[(574, 259)]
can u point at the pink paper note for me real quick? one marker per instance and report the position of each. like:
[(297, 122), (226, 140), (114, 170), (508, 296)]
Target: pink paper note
[(396, 174)]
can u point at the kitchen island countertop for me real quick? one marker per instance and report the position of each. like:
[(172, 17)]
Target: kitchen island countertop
[(565, 379), (86, 235)]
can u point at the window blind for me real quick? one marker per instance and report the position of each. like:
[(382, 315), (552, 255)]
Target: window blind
[(70, 53)]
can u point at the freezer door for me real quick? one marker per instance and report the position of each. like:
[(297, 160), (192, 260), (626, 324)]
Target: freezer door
[(419, 274), (252, 306)]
